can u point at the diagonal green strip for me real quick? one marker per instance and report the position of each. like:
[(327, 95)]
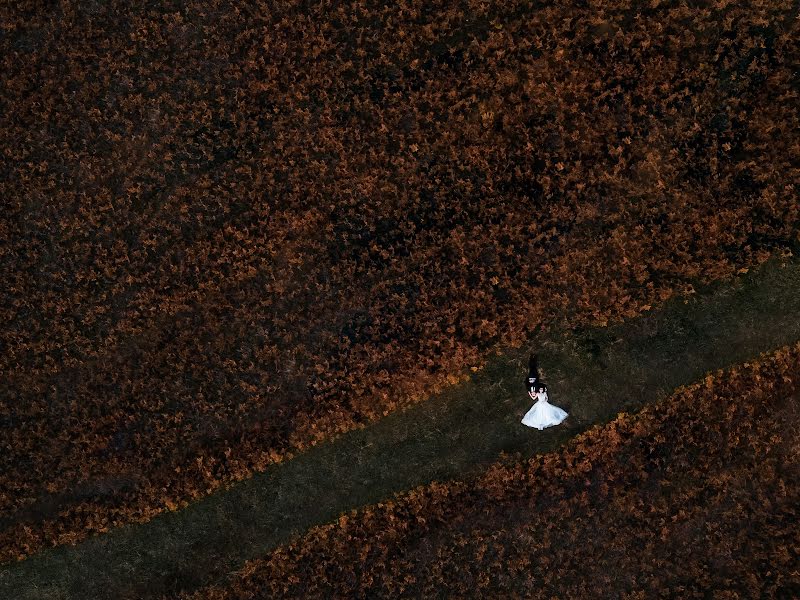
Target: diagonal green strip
[(594, 374)]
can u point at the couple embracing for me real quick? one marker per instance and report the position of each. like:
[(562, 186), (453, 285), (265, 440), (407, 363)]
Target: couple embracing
[(542, 414)]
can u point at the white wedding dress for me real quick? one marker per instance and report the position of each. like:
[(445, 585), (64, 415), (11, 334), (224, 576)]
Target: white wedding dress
[(543, 414)]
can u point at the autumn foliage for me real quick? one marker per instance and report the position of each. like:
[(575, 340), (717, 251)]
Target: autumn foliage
[(694, 496), (227, 229)]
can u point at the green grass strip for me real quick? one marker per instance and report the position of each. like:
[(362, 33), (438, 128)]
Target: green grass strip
[(593, 373)]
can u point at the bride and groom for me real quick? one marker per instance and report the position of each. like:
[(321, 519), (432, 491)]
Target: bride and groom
[(542, 414)]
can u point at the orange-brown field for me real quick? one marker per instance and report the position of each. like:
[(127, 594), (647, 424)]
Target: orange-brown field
[(231, 232), (694, 497)]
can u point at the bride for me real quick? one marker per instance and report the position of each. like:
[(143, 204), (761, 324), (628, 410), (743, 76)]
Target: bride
[(542, 414)]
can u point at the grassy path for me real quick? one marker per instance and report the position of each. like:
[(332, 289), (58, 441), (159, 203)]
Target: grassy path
[(594, 374)]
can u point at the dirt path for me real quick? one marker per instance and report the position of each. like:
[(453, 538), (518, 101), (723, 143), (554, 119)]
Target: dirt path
[(594, 374)]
